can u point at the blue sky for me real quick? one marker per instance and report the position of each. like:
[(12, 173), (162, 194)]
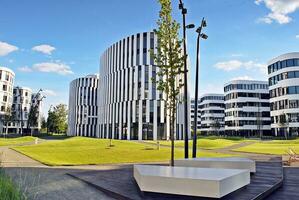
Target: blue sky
[(49, 43)]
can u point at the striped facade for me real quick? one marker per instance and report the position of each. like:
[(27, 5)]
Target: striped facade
[(83, 109), (130, 106)]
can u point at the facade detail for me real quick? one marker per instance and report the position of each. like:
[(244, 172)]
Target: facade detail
[(192, 115), (83, 109), (283, 72), (7, 77), (130, 106), (211, 107), (247, 108)]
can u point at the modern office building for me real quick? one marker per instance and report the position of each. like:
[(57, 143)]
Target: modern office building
[(212, 114), (83, 109), (283, 74), (20, 109), (247, 108), (7, 77), (130, 106), (192, 115)]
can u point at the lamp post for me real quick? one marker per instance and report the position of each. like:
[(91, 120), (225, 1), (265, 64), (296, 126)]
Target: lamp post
[(190, 26), (203, 36)]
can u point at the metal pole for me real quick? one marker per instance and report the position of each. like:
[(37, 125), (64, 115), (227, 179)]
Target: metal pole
[(186, 141), (196, 99)]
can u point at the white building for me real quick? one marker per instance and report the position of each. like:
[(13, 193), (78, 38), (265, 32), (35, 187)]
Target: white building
[(20, 109), (83, 109), (284, 94), (130, 106), (7, 77), (36, 101), (212, 114), (247, 109), (192, 114)]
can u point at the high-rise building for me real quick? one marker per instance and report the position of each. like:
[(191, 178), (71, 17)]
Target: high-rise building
[(7, 77), (130, 106), (83, 109), (212, 114), (247, 109), (283, 74)]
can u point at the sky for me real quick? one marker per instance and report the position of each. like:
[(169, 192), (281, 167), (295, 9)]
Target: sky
[(51, 42)]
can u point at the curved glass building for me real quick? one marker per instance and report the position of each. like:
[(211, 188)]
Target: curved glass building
[(130, 106), (283, 74), (247, 110)]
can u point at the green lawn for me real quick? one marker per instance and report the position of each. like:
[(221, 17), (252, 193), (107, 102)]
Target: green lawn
[(276, 147), (13, 141), (206, 143), (83, 151)]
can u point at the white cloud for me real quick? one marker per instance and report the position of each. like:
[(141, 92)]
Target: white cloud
[(44, 48), (6, 48), (49, 92), (242, 78), (237, 64), (25, 69), (280, 10), (52, 67), (297, 36)]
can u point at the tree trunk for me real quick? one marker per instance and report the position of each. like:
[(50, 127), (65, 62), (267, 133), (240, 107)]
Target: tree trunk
[(172, 137)]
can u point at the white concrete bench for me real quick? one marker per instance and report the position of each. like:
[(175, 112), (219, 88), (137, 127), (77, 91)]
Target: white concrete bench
[(202, 182), (227, 163)]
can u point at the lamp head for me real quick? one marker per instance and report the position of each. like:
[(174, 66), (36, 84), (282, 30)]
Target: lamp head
[(204, 36), (204, 23), (190, 26)]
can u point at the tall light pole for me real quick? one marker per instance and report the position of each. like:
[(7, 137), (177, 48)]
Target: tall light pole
[(203, 36), (190, 26)]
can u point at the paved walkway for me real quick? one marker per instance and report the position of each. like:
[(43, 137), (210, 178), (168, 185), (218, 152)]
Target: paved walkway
[(11, 158)]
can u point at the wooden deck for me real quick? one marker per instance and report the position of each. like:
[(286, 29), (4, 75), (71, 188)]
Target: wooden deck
[(289, 189), (120, 184)]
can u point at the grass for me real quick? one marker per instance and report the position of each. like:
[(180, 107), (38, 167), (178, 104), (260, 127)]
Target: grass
[(14, 141), (84, 151), (8, 190), (207, 143), (275, 147)]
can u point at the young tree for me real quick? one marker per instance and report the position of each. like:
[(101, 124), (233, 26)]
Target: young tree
[(170, 61), (7, 118), (216, 126), (32, 117), (57, 119)]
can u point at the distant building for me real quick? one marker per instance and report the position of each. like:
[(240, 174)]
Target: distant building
[(283, 74), (192, 114), (247, 108), (7, 77), (20, 109), (83, 109), (212, 114)]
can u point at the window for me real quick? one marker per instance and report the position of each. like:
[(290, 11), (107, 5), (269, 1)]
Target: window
[(4, 88), (5, 98)]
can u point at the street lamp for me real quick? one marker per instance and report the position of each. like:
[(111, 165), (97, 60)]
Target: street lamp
[(190, 26), (203, 36)]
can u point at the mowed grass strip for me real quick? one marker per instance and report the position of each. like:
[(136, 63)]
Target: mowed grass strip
[(275, 147), (14, 141), (206, 143), (84, 151)]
